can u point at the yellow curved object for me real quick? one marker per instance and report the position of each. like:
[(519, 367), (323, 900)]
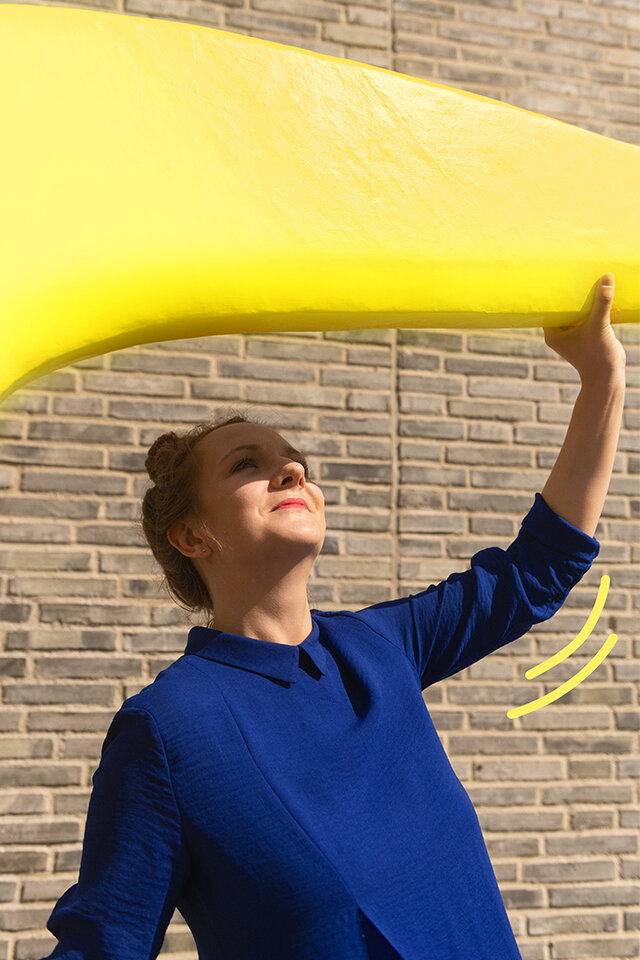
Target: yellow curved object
[(161, 180)]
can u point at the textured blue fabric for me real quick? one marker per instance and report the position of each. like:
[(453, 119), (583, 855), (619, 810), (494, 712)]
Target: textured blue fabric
[(294, 802)]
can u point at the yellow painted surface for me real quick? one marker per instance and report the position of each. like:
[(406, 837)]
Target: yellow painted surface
[(161, 180)]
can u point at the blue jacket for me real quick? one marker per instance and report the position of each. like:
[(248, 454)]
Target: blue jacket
[(294, 802)]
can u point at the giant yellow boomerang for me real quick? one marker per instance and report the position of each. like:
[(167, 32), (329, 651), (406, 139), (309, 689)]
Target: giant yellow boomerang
[(162, 180)]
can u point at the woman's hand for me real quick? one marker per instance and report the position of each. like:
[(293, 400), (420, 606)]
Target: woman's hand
[(591, 345)]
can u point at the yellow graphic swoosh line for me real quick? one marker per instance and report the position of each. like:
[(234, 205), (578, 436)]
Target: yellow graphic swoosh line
[(560, 691), (584, 634)]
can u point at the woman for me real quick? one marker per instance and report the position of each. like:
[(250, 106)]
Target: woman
[(282, 783)]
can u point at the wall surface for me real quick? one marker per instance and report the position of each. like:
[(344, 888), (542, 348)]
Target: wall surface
[(429, 446)]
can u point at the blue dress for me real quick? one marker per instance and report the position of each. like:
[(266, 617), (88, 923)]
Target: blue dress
[(294, 802)]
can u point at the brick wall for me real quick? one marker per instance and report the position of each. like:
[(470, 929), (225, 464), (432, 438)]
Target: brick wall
[(429, 445)]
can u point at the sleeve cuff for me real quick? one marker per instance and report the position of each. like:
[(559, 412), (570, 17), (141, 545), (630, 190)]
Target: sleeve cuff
[(554, 531)]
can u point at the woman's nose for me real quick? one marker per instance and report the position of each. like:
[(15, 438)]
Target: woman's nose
[(292, 470)]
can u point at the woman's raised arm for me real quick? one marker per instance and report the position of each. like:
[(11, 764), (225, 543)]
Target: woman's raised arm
[(578, 483)]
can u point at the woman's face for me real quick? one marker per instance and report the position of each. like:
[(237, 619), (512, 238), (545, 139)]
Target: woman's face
[(246, 472)]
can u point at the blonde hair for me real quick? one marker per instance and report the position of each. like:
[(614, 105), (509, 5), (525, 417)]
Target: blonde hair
[(174, 471)]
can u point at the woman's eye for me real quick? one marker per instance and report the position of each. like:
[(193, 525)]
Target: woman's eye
[(243, 461), (250, 460)]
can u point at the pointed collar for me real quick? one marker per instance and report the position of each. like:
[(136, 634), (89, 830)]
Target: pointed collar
[(279, 660)]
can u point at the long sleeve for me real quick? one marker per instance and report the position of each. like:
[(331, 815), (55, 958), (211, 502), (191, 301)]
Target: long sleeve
[(455, 623), (134, 859)]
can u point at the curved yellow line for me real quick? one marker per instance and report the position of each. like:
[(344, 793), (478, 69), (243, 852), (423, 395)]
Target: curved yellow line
[(560, 691), (584, 634)]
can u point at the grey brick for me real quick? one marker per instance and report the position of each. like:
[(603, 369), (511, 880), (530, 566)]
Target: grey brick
[(85, 667), (340, 567), (61, 507), (186, 413), (424, 46), (520, 898), (123, 510), (42, 693), (80, 432), (338, 520), (187, 366), (498, 502), (50, 456), (471, 365), (369, 356), (220, 343), (248, 21), (61, 586), (354, 425), (530, 769), (520, 821), (603, 895), (95, 483), (369, 546), (91, 614), (57, 831), (503, 389), (359, 336), (514, 345), (492, 744), (134, 384), (513, 846), (40, 775), (419, 451), (424, 572), (292, 350), (608, 948), (11, 428), (130, 562), (66, 639), (508, 479), (12, 666), (447, 386), (373, 497), (588, 793), (269, 370), (7, 478), (294, 395), (490, 411), (25, 402), (430, 523), (34, 533), (57, 380), (440, 476), (356, 36), (591, 922), (440, 429), (115, 534), (62, 721), (490, 432), (433, 339), (77, 406), (350, 377), (359, 472), (411, 360), (578, 871), (214, 390), (361, 400), (37, 560), (378, 449), (417, 403)]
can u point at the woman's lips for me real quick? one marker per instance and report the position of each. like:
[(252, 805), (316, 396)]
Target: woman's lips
[(298, 504)]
